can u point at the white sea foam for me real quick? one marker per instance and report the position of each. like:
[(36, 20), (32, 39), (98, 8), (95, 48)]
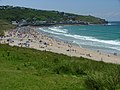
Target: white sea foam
[(116, 48), (58, 29), (109, 24), (48, 31), (95, 44), (112, 42)]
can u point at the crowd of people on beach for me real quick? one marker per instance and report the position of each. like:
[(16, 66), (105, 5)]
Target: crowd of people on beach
[(22, 36)]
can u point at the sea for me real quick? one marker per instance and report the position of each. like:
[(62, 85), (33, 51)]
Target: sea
[(105, 38)]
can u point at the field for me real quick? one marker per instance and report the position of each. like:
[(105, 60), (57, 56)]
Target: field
[(30, 69)]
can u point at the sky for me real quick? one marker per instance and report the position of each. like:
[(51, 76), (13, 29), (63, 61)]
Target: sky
[(106, 9)]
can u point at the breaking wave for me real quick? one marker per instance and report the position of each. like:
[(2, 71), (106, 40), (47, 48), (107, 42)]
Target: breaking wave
[(94, 39), (58, 29)]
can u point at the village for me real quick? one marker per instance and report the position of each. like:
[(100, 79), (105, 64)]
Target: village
[(48, 23)]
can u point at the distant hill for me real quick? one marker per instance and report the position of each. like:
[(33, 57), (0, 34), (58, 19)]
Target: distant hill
[(11, 13)]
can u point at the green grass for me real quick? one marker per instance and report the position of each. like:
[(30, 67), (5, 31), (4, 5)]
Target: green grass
[(29, 69), (4, 25)]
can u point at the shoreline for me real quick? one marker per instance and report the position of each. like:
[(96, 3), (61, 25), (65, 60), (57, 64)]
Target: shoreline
[(29, 37), (105, 51)]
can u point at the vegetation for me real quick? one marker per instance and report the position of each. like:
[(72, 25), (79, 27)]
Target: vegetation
[(11, 13), (4, 26), (29, 69)]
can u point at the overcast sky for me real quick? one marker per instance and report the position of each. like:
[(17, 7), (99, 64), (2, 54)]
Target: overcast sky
[(107, 9)]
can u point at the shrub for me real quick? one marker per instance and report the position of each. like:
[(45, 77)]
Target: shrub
[(104, 81)]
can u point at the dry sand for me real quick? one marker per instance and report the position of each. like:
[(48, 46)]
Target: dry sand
[(30, 38)]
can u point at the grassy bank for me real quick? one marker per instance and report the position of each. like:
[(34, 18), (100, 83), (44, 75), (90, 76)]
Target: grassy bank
[(29, 69), (5, 26)]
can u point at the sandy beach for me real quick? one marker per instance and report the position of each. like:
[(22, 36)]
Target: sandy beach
[(29, 37)]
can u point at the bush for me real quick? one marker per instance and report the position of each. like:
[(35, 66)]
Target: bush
[(70, 68), (104, 81)]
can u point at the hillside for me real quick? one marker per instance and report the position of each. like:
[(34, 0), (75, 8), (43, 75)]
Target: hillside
[(4, 25), (29, 69), (11, 13)]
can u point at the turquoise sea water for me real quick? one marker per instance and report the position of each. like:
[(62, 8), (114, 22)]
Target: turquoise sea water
[(105, 38)]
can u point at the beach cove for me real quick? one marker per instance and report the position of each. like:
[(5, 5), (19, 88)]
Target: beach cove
[(30, 37)]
